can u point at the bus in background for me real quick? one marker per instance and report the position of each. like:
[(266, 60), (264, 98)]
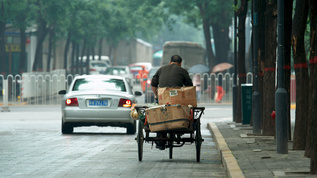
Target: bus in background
[(192, 53)]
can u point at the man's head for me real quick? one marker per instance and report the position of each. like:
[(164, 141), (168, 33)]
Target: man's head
[(176, 59)]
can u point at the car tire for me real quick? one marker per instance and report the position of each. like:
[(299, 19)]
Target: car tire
[(66, 129), (131, 129)]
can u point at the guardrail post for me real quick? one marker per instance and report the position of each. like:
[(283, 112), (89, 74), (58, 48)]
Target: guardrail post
[(5, 107)]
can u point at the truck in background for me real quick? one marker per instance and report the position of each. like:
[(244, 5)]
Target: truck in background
[(192, 53), (133, 51)]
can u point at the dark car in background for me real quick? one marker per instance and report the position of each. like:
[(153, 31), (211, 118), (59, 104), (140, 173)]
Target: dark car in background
[(149, 95)]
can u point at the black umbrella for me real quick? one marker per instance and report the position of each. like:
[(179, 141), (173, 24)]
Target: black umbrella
[(199, 68)]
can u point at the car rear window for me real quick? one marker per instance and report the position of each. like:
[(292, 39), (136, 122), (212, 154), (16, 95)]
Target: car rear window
[(99, 84), (98, 64), (115, 71), (135, 67)]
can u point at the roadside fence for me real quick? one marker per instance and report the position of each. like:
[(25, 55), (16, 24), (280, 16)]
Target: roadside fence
[(40, 88)]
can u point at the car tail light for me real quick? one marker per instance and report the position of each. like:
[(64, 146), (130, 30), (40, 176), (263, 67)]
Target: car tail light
[(71, 102), (125, 103), (92, 69), (148, 82)]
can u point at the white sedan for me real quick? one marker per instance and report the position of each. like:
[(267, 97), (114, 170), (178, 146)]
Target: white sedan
[(123, 71), (101, 100)]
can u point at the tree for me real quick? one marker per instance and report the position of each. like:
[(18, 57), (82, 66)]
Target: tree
[(241, 13), (269, 63), (47, 15), (313, 87), (261, 51), (288, 6), (19, 18), (3, 19), (215, 14), (301, 72)]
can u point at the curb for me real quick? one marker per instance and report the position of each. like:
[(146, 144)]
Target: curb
[(229, 161)]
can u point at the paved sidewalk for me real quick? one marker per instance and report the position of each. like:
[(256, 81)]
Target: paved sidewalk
[(247, 155)]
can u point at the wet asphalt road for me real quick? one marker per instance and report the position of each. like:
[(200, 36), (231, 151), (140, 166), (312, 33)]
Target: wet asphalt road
[(31, 145)]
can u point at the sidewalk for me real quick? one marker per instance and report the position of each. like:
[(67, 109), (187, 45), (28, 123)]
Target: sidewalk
[(246, 155)]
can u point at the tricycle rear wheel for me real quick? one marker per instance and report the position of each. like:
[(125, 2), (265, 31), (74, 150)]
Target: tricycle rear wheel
[(140, 140), (198, 140)]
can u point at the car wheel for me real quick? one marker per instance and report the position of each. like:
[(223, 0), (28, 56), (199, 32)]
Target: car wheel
[(66, 129), (131, 129)]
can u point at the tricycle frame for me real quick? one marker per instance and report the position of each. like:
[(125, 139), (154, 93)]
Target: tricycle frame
[(175, 138)]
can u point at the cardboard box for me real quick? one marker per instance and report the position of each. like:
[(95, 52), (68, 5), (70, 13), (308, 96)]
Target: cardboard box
[(183, 96), (168, 117)]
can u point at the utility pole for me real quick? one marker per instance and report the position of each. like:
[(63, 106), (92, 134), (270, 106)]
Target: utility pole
[(234, 85), (256, 109), (281, 94)]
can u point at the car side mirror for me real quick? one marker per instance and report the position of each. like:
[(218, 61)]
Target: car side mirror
[(137, 93), (62, 92)]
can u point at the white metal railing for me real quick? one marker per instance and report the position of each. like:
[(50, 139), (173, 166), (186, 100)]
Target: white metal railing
[(42, 88)]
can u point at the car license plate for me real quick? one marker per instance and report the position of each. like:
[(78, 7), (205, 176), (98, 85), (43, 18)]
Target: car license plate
[(98, 102)]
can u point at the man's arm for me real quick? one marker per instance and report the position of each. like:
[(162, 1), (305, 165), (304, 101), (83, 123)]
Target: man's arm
[(154, 91), (155, 82), (188, 80)]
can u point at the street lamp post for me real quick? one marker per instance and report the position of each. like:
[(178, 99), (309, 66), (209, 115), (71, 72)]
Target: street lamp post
[(281, 94), (234, 85), (256, 94)]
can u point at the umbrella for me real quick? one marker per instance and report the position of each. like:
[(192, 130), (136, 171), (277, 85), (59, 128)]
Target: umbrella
[(199, 68), (221, 67), (158, 54)]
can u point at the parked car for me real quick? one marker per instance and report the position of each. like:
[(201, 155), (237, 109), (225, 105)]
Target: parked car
[(96, 66), (101, 100), (120, 71), (149, 95)]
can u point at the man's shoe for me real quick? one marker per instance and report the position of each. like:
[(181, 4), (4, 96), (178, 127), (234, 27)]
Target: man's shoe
[(160, 145)]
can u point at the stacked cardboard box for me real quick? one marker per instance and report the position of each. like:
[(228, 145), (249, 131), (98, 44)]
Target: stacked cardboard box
[(183, 96), (168, 117), (173, 111)]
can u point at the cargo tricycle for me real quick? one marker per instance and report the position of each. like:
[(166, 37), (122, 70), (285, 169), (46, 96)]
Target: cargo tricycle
[(174, 137)]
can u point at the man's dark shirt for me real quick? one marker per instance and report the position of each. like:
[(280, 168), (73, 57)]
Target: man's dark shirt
[(171, 76)]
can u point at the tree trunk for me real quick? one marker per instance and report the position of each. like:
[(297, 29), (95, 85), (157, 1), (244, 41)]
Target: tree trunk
[(222, 42), (69, 36), (261, 51), (23, 50), (73, 58), (100, 48), (242, 12), (50, 48), (82, 55), (313, 84), (114, 55), (87, 60), (210, 53), (287, 56), (300, 66), (269, 71), (77, 59), (41, 34), (2, 40)]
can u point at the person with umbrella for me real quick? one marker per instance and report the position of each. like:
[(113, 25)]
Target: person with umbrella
[(197, 70), (220, 68), (197, 83)]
